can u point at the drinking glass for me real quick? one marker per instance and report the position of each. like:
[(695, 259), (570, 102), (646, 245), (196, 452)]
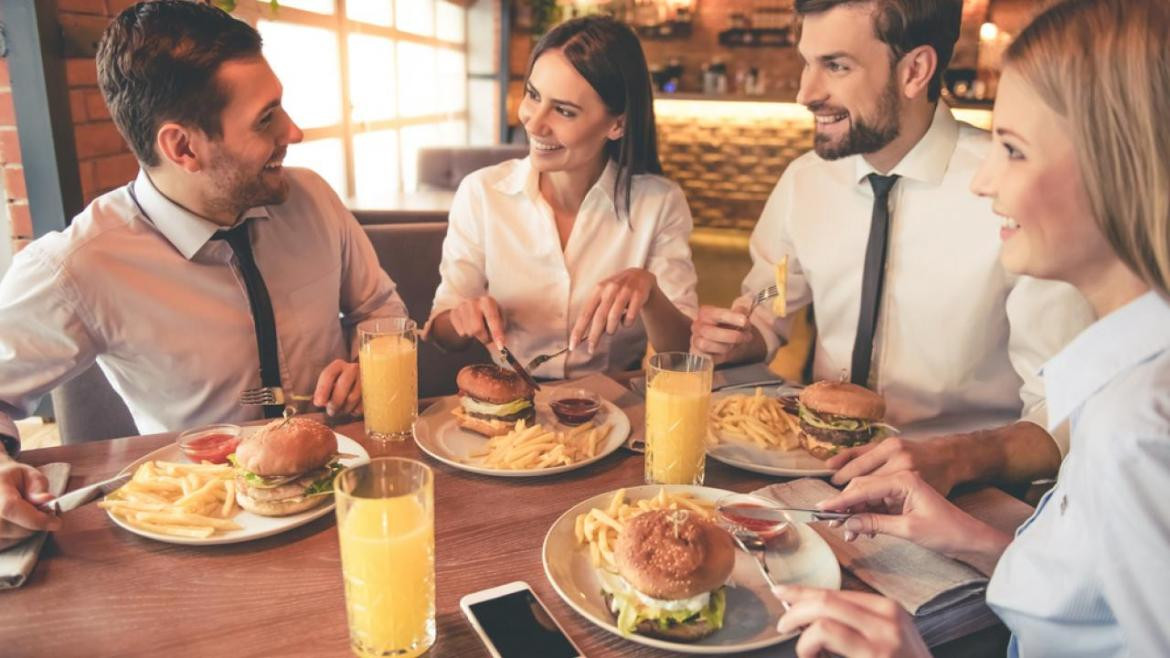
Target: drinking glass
[(388, 355), (678, 394), (386, 529)]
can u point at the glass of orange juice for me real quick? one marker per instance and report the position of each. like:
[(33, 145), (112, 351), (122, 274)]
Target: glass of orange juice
[(388, 356), (678, 394), (386, 529)]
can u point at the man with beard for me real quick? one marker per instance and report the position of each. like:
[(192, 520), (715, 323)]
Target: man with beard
[(900, 260), (214, 271)]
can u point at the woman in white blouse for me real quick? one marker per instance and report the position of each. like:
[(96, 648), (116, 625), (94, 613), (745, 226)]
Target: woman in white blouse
[(1081, 174), (582, 241)]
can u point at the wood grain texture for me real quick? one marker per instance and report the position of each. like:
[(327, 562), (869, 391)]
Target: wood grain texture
[(99, 590)]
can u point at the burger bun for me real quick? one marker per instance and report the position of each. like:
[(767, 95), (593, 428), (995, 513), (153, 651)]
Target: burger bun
[(674, 554), (287, 447), (491, 383), (844, 399)]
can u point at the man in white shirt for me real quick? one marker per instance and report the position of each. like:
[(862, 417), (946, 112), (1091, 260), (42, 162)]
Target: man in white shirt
[(951, 340), (214, 271)]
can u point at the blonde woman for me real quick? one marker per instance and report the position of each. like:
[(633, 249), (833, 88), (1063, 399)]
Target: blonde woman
[(1081, 175)]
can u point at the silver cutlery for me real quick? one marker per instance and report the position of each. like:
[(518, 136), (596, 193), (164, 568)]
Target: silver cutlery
[(271, 395), (542, 359), (86, 494), (762, 296), (515, 365), (781, 515), (753, 545)]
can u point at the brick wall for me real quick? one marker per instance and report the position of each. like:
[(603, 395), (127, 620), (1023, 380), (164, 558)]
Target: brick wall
[(104, 159)]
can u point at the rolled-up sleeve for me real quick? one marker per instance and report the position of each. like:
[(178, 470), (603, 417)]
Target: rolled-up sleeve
[(462, 270), (45, 338), (669, 259), (1044, 316), (768, 245)]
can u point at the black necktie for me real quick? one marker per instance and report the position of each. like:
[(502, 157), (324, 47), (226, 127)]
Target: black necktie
[(871, 283), (262, 317)]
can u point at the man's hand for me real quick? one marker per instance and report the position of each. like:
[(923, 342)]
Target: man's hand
[(717, 332), (853, 624), (22, 487), (904, 505), (339, 388), (615, 303), (480, 318), (937, 461)]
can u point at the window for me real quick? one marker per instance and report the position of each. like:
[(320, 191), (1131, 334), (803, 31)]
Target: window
[(369, 82)]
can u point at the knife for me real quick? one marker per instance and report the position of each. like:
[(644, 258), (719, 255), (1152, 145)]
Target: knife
[(511, 361), (86, 494), (782, 514)]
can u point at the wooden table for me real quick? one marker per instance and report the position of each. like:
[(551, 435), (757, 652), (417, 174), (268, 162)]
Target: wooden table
[(99, 590)]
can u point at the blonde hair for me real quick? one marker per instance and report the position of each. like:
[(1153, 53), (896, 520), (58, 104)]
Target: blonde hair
[(1104, 65)]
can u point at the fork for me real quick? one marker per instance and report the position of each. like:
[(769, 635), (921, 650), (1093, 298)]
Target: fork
[(755, 546), (542, 359), (270, 395), (759, 298)]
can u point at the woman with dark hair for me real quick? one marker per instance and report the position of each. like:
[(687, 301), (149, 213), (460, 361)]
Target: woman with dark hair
[(583, 241)]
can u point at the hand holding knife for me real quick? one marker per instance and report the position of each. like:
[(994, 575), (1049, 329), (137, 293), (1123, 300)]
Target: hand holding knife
[(84, 495)]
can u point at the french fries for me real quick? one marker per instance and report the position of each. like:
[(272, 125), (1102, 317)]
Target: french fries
[(780, 301), (539, 447), (599, 528), (183, 500), (756, 419)]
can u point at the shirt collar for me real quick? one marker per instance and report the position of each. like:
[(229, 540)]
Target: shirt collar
[(184, 229), (927, 162), (1109, 347), (524, 179)]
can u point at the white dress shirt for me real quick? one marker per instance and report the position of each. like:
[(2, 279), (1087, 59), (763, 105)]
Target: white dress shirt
[(1089, 573), (502, 241), (163, 309), (959, 340)]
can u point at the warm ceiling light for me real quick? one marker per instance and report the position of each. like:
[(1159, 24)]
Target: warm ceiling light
[(988, 32)]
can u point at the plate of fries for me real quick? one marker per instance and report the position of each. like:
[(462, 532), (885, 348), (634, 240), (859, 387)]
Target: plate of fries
[(578, 554), (752, 431), (172, 500), (546, 447)]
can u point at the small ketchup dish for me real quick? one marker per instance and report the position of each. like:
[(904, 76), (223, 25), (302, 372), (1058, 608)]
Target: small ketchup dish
[(210, 443), (575, 406)]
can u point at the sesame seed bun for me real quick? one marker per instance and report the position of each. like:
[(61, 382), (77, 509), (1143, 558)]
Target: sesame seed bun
[(843, 399), (674, 554)]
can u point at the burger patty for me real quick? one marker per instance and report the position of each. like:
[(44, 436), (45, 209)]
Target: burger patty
[(838, 437), (528, 413)]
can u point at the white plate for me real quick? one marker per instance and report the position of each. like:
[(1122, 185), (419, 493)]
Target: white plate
[(752, 611), (255, 526), (751, 457), (438, 434)]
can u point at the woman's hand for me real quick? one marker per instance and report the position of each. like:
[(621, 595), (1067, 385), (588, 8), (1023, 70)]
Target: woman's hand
[(615, 303), (480, 318), (851, 624), (904, 505)]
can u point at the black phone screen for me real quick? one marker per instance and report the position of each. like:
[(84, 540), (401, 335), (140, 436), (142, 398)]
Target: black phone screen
[(520, 627)]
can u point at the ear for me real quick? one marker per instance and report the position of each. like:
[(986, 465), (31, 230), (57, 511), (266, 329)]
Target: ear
[(916, 70), (180, 145), (618, 129)]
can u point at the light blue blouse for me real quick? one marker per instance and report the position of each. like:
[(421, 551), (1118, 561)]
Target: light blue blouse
[(1089, 573)]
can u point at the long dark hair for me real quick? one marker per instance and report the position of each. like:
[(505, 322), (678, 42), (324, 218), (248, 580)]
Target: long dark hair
[(608, 55)]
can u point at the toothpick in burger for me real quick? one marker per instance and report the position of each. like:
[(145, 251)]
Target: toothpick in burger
[(286, 468), (672, 568)]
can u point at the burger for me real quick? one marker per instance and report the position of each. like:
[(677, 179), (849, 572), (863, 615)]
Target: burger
[(836, 415), (492, 399), (672, 567), (285, 468)]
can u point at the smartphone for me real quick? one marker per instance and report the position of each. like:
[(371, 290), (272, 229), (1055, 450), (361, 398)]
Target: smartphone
[(513, 623)]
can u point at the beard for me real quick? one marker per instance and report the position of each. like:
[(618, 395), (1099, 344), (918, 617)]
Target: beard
[(864, 136), (240, 186)]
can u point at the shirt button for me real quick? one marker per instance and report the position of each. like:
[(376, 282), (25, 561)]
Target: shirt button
[(1063, 503)]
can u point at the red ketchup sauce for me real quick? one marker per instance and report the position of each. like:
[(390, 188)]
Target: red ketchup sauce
[(762, 527), (575, 411), (214, 448)]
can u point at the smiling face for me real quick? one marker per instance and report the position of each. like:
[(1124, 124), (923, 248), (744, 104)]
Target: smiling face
[(243, 166), (848, 82), (1034, 180), (568, 124)]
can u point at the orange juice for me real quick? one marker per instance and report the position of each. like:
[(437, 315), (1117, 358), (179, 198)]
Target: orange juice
[(389, 366), (676, 427), (388, 564)]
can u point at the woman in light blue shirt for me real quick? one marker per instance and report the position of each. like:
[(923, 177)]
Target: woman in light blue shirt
[(1080, 173)]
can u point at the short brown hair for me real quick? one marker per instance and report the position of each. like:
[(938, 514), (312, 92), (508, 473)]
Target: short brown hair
[(157, 62), (1105, 67), (904, 25)]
